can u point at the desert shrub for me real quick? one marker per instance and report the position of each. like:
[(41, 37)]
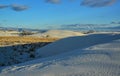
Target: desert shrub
[(90, 31), (47, 36), (14, 49), (32, 56), (1, 64), (21, 53), (24, 33), (32, 49)]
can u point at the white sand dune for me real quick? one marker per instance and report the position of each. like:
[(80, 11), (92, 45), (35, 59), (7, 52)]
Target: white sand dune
[(62, 33), (77, 42), (58, 34), (92, 55), (9, 33)]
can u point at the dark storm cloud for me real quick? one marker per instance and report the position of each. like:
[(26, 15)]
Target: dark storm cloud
[(18, 8), (3, 6), (97, 3), (53, 1)]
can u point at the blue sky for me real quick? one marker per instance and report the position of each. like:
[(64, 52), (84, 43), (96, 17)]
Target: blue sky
[(40, 14)]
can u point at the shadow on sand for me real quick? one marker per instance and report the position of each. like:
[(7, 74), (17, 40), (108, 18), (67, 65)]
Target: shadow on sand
[(15, 54)]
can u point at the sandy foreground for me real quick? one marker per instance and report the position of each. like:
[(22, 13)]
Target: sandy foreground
[(91, 55)]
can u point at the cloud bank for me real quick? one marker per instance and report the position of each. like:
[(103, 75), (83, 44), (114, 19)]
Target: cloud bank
[(14, 7), (17, 7), (89, 3), (97, 3), (115, 22), (53, 1), (87, 27), (3, 6)]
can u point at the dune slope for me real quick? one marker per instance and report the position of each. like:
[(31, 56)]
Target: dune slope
[(92, 55)]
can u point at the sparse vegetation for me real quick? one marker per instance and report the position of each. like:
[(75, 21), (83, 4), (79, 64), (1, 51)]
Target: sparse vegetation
[(1, 64), (24, 33), (47, 36), (32, 56), (21, 46), (90, 31), (20, 53)]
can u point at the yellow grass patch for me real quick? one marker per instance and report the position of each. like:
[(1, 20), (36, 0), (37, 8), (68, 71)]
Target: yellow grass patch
[(13, 40)]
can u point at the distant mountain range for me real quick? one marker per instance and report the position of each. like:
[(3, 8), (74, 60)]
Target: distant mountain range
[(75, 27), (95, 27), (20, 29)]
